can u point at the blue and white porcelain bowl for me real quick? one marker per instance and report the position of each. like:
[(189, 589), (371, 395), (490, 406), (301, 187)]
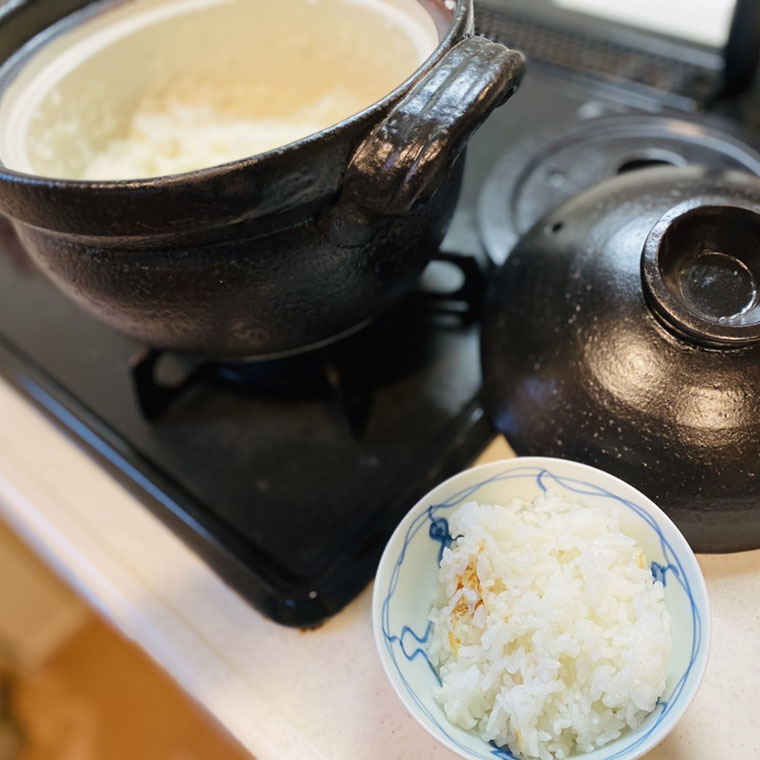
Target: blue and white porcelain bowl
[(408, 574)]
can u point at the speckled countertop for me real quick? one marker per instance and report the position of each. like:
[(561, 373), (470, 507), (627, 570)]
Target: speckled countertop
[(281, 692)]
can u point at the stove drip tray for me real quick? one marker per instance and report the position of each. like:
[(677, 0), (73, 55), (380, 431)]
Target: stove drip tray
[(286, 476)]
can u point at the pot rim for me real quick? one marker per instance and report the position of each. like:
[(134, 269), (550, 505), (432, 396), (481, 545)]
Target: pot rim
[(462, 21)]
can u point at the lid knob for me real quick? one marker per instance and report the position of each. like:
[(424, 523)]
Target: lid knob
[(701, 273)]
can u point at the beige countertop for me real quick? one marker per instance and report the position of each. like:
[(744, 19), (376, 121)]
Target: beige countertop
[(281, 692)]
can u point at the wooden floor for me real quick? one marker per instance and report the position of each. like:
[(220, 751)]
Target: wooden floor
[(99, 698)]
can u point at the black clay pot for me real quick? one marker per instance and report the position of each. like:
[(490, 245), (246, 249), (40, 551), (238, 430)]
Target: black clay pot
[(623, 331), (282, 251)]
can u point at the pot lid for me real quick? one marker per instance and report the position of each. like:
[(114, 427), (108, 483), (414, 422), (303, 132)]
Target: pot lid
[(624, 332), (538, 175)]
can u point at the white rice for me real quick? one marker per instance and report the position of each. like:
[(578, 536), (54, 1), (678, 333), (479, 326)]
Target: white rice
[(550, 634), (195, 124)]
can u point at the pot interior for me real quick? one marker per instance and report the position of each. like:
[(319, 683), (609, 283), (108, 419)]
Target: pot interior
[(148, 88)]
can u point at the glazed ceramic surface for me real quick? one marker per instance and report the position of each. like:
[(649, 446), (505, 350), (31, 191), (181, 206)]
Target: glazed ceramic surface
[(276, 253), (622, 332), (408, 574)]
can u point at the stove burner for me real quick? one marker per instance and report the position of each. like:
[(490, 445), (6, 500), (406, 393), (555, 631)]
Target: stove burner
[(343, 374), (538, 175)]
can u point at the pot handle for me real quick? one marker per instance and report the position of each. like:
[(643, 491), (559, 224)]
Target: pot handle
[(405, 159)]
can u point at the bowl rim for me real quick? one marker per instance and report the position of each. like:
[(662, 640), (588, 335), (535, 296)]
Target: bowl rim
[(696, 590)]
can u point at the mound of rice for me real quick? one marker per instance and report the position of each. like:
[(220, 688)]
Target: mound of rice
[(550, 634)]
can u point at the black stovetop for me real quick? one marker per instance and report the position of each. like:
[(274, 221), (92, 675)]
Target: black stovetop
[(288, 489)]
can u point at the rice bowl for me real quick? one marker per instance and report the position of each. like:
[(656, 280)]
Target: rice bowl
[(407, 579)]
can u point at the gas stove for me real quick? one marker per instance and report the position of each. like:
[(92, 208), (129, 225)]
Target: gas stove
[(287, 477)]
